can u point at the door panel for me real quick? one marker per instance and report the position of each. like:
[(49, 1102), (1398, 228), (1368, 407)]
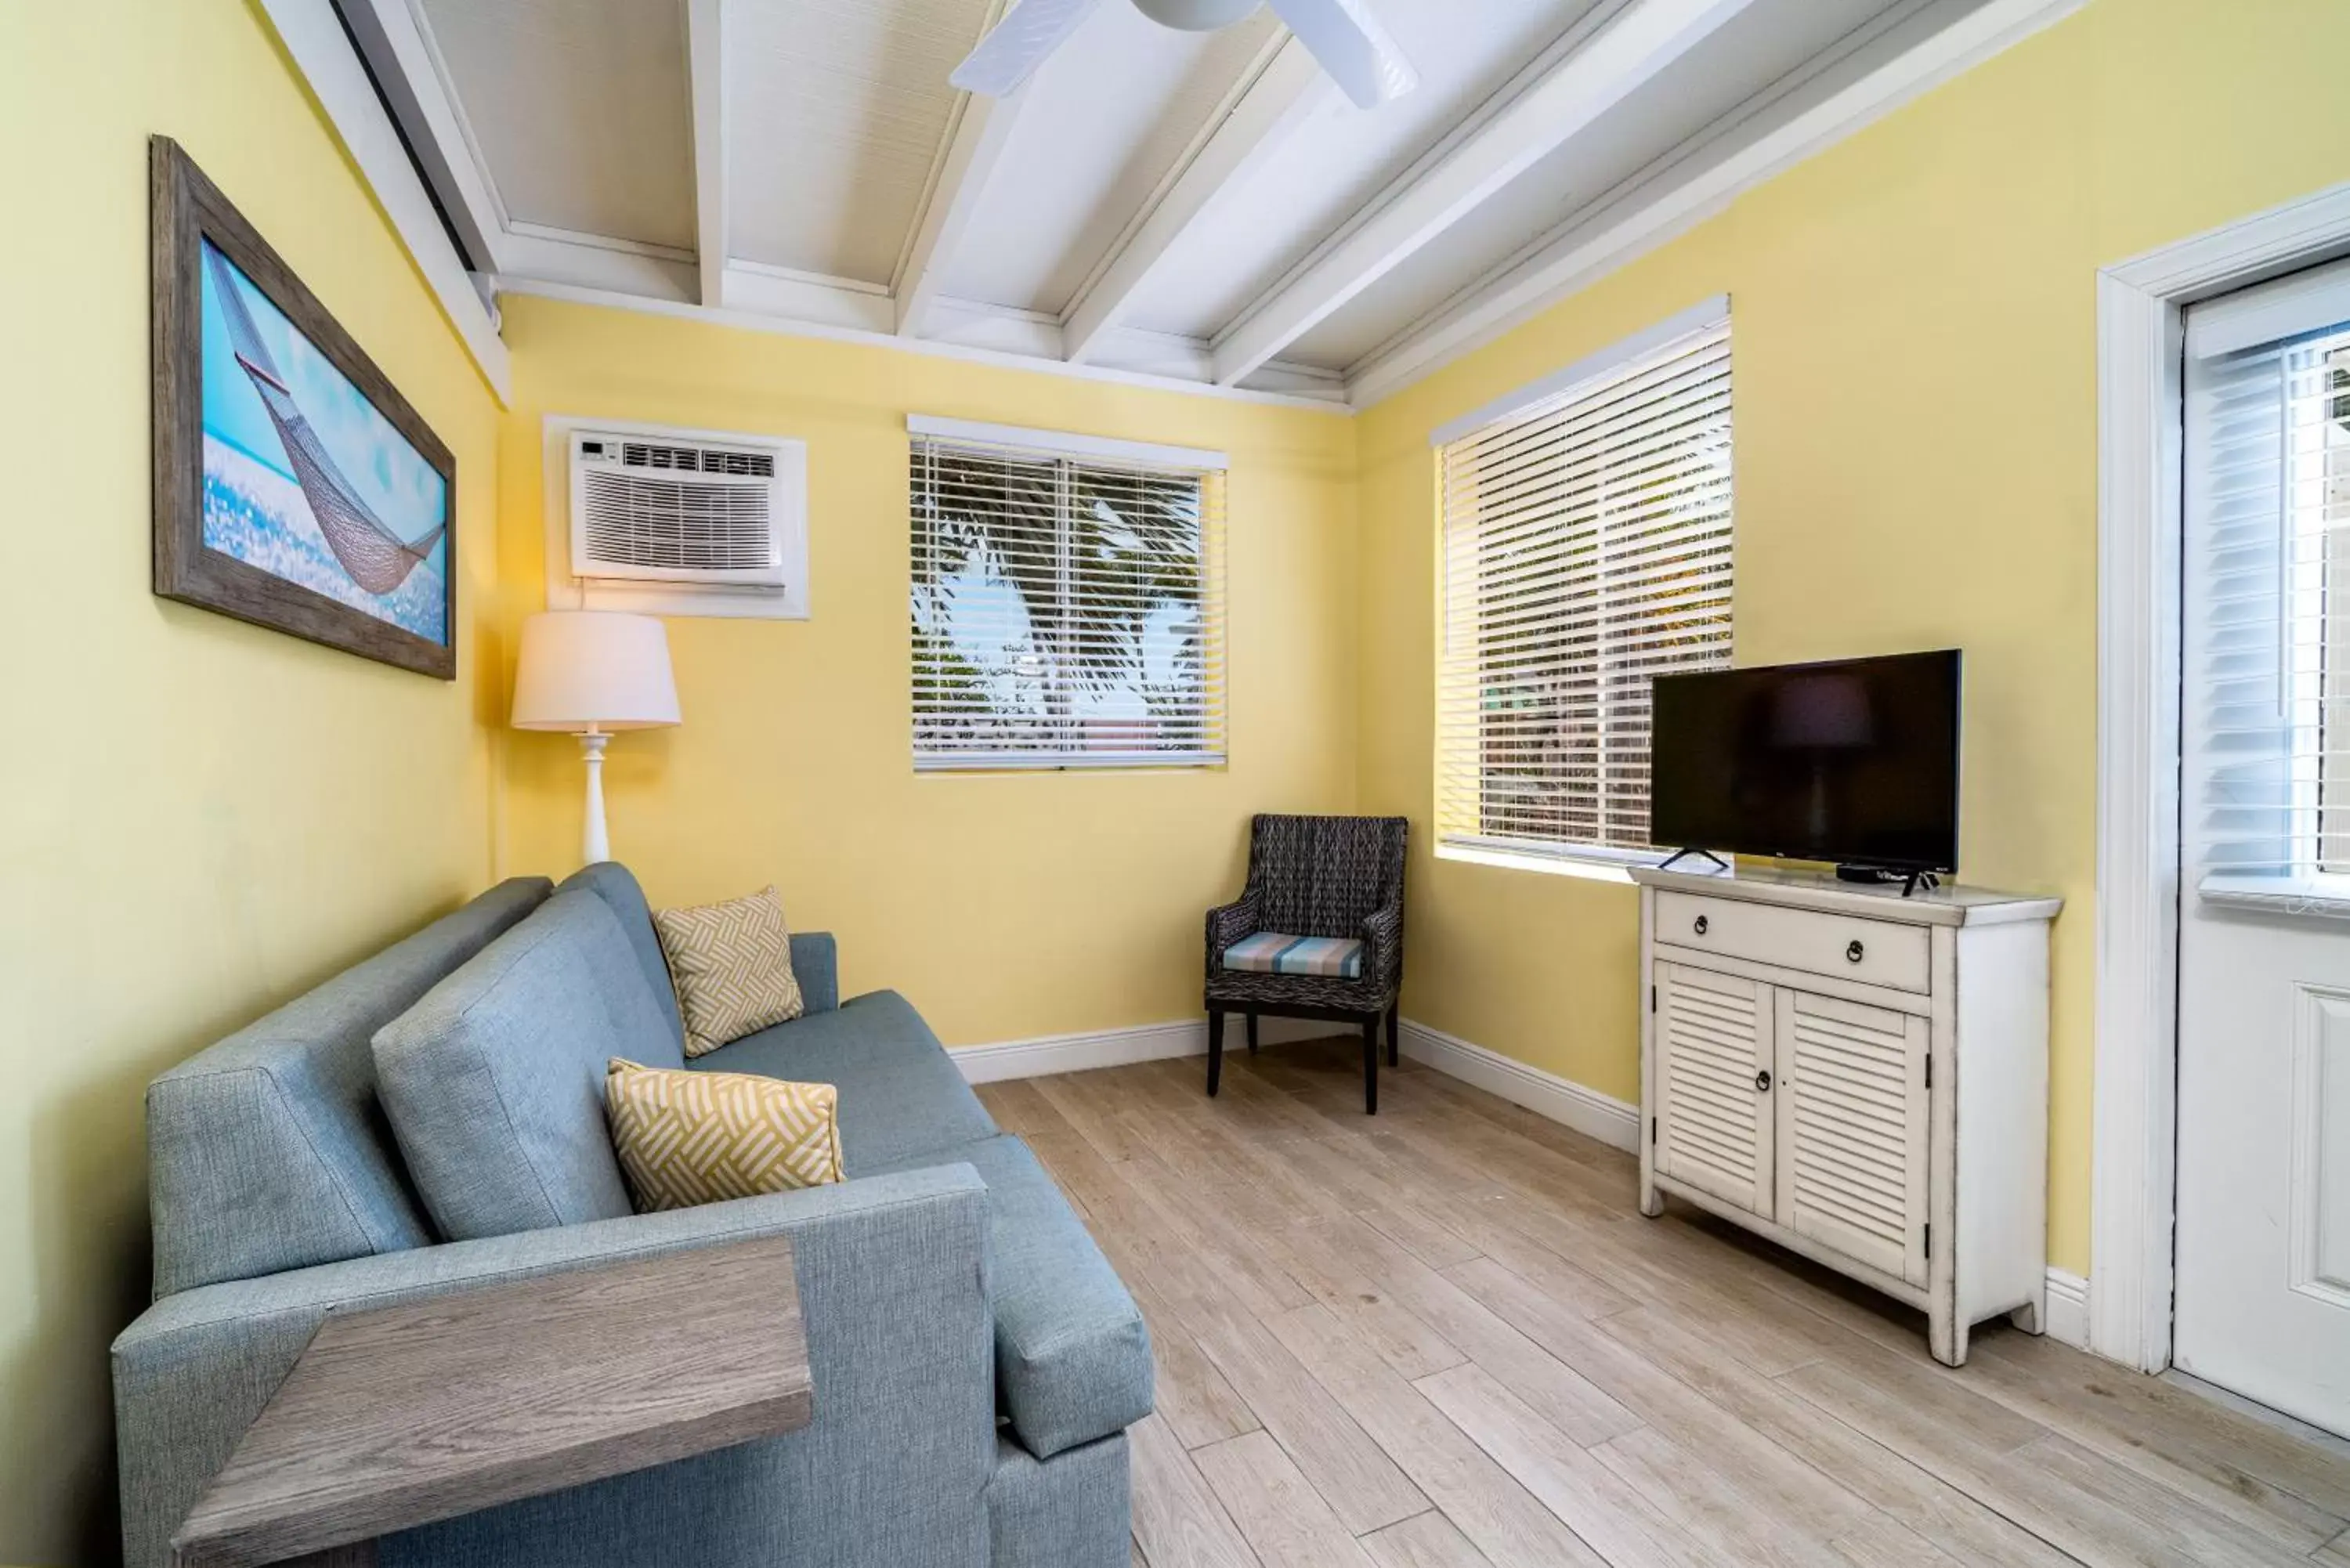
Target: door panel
[(1851, 1130), (1713, 1043), (2262, 1302)]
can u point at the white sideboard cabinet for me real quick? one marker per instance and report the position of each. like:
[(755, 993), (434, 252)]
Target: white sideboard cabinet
[(1860, 1076)]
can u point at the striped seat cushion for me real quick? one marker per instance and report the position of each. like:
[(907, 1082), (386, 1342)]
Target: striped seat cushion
[(1270, 952)]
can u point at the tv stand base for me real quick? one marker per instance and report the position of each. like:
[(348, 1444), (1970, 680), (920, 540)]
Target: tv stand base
[(1910, 880)]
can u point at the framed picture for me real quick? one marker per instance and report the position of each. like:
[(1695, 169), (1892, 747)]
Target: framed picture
[(294, 487)]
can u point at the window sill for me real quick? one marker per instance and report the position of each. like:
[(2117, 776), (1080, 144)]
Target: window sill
[(2326, 896), (1075, 762), (1590, 863)]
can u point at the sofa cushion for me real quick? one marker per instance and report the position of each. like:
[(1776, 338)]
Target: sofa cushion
[(732, 963), (494, 1081), (618, 887), (268, 1151), (1072, 1355), (689, 1138), (901, 1095)]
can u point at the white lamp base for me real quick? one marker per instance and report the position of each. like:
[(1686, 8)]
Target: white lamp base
[(594, 845)]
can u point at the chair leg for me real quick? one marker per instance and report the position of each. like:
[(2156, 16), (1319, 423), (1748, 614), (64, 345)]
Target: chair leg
[(1215, 1049), (1252, 1031), (1371, 1066), (1394, 1026)]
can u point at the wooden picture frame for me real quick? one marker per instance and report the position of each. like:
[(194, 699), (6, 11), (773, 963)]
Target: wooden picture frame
[(370, 590)]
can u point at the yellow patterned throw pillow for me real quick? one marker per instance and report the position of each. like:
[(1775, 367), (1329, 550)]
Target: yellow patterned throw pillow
[(732, 964), (686, 1138)]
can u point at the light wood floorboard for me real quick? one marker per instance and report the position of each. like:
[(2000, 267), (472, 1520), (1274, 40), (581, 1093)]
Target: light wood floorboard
[(1443, 1337)]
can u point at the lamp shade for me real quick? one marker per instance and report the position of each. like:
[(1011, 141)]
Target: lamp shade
[(593, 669)]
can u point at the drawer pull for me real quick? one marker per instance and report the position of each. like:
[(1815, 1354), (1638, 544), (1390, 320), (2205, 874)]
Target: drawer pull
[(1700, 925), (1854, 953), (1762, 1082)]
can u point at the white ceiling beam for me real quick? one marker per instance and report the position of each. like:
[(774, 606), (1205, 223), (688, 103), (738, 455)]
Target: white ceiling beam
[(1877, 70), (596, 261), (407, 65), (1287, 93), (1603, 67), (982, 129), (706, 73), (320, 49)]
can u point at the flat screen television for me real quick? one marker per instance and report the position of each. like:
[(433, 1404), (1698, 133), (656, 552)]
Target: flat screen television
[(1853, 760)]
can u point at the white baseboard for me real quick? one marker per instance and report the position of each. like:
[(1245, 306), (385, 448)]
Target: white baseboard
[(1563, 1100), (1118, 1047), (2068, 1309)]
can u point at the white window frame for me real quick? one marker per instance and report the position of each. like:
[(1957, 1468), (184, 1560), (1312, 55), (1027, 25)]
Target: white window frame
[(1593, 861), (2133, 1148), (1210, 467)]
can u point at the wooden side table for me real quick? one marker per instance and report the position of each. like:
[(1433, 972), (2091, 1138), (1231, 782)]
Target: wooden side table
[(409, 1415)]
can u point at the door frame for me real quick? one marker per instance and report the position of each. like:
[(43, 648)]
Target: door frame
[(2141, 305)]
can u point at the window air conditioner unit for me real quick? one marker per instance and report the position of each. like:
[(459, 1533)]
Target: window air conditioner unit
[(670, 510)]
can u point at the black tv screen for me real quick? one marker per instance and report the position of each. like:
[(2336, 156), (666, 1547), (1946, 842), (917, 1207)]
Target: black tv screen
[(1855, 761)]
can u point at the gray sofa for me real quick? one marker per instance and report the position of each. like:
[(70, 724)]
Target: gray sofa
[(976, 1359)]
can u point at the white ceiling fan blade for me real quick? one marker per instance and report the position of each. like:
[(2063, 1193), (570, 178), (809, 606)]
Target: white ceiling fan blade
[(1352, 47), (1016, 45)]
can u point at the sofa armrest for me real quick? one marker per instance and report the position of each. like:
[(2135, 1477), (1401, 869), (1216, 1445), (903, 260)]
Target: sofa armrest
[(893, 1292), (1227, 925), (1383, 948), (816, 964)]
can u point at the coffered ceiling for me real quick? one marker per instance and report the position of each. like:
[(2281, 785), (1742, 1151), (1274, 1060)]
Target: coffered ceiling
[(1200, 206)]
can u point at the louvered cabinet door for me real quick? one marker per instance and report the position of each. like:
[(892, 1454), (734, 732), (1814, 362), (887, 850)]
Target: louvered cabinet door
[(1851, 1130), (1714, 1062)]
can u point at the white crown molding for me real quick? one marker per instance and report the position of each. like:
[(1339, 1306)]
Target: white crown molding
[(1611, 59), (1876, 70), (314, 37), (678, 309), (2134, 1151)]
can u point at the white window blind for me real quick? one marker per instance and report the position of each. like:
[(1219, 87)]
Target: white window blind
[(1586, 550), (1068, 604), (2266, 593)]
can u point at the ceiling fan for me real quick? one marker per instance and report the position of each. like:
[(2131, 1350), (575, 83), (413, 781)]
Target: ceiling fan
[(1342, 35)]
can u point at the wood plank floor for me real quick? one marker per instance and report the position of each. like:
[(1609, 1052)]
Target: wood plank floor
[(1445, 1338)]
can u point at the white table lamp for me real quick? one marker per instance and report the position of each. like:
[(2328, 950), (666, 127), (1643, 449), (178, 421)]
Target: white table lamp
[(592, 672)]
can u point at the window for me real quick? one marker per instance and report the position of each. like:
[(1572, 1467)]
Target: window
[(1586, 550), (1067, 605), (2265, 576)]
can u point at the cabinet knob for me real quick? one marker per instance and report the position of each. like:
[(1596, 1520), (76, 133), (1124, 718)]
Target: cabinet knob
[(1855, 951), (1700, 925), (1762, 1082)]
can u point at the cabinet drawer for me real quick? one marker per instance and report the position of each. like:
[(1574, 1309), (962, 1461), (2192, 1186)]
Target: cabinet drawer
[(1876, 952)]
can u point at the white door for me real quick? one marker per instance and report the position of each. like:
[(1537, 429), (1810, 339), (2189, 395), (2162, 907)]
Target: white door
[(1714, 1067), (1851, 1130), (2263, 1240)]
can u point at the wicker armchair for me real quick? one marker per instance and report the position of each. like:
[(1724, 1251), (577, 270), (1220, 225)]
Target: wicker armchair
[(1317, 933)]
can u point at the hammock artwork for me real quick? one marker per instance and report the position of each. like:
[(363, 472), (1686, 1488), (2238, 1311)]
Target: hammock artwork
[(294, 487), (377, 560)]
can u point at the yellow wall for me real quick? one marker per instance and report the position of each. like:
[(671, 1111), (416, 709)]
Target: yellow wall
[(201, 818), (1914, 339), (1005, 906)]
